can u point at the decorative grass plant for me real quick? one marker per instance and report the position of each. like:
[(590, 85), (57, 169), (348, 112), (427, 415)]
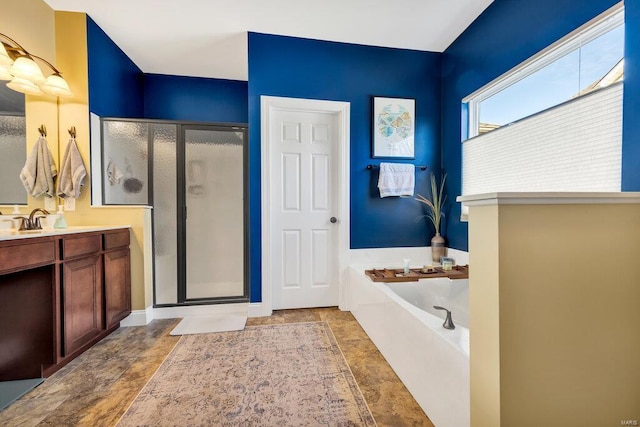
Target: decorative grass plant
[(435, 202)]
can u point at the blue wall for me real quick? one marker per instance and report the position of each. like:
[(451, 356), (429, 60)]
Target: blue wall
[(631, 108), (195, 99), (303, 68), (115, 82), (118, 88), (506, 34)]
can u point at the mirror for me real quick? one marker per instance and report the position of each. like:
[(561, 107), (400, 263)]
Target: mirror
[(13, 146)]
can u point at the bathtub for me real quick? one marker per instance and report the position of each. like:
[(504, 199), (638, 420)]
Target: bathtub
[(431, 361)]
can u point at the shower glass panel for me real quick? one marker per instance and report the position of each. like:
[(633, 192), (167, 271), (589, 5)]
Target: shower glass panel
[(214, 185), (193, 177), (165, 213), (125, 163)]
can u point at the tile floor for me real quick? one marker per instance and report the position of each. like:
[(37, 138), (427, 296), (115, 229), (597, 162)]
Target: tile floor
[(96, 388)]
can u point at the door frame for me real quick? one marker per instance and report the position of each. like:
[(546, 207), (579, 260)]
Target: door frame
[(268, 106)]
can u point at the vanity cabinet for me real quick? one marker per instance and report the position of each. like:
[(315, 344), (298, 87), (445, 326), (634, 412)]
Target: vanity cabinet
[(20, 255), (81, 302), (81, 290), (117, 277), (60, 294)]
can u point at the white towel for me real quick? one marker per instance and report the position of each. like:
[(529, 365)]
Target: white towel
[(72, 172), (39, 170), (396, 179)]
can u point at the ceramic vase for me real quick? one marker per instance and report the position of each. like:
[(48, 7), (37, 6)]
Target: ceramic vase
[(437, 247)]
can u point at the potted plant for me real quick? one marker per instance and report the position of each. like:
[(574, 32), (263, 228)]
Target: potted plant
[(435, 202)]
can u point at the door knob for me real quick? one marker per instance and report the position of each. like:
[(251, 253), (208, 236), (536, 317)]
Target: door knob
[(333, 220)]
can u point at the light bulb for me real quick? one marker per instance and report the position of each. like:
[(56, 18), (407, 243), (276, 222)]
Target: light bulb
[(24, 86), (4, 73), (26, 68), (57, 86), (5, 60)]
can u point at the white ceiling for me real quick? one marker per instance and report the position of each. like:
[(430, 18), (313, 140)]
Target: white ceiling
[(208, 38)]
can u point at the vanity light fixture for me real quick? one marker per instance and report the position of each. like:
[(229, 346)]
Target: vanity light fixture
[(20, 67)]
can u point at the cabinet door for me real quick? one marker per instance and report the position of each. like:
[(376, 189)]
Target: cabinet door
[(117, 285), (82, 302)]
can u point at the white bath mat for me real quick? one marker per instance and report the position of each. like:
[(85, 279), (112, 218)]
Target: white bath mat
[(210, 323)]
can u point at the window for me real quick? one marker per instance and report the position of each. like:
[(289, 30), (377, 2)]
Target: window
[(563, 109), (588, 59)]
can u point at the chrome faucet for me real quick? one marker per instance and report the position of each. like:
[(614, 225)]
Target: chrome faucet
[(33, 221), (448, 323)]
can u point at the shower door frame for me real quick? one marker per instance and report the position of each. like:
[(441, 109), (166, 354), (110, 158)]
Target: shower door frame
[(181, 225), (182, 127)]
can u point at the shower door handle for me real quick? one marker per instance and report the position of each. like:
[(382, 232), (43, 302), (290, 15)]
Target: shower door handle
[(333, 220)]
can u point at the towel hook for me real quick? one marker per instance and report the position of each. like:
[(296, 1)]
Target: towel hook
[(72, 132), (43, 130)]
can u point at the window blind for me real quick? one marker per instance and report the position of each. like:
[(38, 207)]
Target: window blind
[(576, 146)]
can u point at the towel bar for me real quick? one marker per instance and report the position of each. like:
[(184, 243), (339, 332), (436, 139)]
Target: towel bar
[(422, 168)]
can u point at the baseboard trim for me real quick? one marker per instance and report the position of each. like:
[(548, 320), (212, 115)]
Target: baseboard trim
[(144, 317), (138, 318), (198, 310), (256, 309)]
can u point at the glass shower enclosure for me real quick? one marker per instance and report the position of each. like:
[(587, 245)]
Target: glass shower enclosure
[(194, 176)]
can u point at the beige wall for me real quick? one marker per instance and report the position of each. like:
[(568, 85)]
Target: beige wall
[(484, 366), (60, 38), (31, 23), (71, 55), (564, 282)]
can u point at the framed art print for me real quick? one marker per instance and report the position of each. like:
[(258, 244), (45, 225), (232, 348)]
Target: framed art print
[(394, 123)]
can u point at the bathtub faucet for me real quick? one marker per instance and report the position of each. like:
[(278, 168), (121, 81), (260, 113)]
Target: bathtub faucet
[(448, 323)]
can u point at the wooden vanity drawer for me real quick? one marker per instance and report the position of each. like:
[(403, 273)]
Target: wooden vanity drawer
[(116, 239), (76, 246), (21, 255)]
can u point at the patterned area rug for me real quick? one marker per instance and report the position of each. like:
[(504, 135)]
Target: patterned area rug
[(276, 375)]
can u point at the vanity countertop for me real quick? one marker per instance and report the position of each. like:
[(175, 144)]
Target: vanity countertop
[(14, 234)]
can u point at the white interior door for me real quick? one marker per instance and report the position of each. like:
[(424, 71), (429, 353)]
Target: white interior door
[(304, 199)]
